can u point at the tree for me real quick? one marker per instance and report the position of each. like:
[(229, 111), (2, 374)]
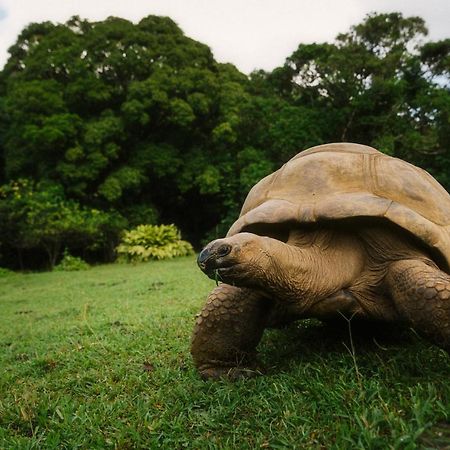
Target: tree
[(122, 114), (377, 85)]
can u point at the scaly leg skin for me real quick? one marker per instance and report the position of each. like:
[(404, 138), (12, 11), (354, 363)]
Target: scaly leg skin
[(421, 293), (227, 331)]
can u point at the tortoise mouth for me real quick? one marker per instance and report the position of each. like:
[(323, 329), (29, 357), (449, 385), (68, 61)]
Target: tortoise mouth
[(211, 258), (218, 272), (232, 273)]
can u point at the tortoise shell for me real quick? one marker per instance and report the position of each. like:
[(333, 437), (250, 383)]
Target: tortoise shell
[(339, 181)]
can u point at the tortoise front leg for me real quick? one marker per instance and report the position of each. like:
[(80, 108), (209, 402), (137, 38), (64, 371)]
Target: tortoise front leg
[(227, 331), (421, 294)]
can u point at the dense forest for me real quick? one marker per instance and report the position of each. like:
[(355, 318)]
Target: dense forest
[(108, 125)]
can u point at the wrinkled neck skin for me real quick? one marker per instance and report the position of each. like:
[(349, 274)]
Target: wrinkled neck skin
[(311, 266)]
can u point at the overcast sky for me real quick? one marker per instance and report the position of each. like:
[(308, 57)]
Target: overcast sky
[(252, 34)]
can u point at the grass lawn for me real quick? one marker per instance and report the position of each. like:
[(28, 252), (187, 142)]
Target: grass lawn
[(100, 359)]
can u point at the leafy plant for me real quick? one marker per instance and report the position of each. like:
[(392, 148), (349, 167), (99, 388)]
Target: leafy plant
[(71, 263), (38, 215), (4, 272), (147, 242)]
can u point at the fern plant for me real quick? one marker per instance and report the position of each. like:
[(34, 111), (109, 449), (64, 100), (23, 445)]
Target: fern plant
[(147, 242)]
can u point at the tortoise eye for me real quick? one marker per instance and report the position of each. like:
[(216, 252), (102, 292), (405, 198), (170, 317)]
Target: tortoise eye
[(223, 250)]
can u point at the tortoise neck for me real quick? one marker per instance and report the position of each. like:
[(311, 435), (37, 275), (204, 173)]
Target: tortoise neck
[(312, 266)]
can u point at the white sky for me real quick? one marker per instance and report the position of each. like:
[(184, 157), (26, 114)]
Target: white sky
[(252, 34)]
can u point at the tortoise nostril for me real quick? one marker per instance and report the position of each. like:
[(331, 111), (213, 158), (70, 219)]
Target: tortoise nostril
[(223, 250)]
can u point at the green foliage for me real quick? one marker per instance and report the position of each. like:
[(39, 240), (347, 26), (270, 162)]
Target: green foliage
[(37, 215), (141, 213), (5, 272), (126, 118), (375, 85), (147, 242), (71, 263)]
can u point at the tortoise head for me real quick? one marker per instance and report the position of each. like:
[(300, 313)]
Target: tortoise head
[(236, 259)]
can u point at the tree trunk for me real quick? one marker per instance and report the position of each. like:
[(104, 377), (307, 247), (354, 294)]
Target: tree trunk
[(20, 256), (52, 250)]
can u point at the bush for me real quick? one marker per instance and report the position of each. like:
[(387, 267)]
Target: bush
[(4, 272), (153, 242), (39, 216), (71, 263)]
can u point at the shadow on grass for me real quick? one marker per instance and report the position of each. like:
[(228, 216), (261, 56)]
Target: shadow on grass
[(437, 437), (376, 347)]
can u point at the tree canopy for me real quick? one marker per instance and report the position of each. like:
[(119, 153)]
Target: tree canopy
[(139, 122)]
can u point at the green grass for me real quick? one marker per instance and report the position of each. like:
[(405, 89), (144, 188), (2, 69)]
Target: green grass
[(100, 359)]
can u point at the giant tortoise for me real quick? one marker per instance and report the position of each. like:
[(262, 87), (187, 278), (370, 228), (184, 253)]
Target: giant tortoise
[(340, 229)]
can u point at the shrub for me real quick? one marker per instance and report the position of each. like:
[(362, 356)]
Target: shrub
[(4, 272), (71, 263), (39, 216), (153, 242)]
